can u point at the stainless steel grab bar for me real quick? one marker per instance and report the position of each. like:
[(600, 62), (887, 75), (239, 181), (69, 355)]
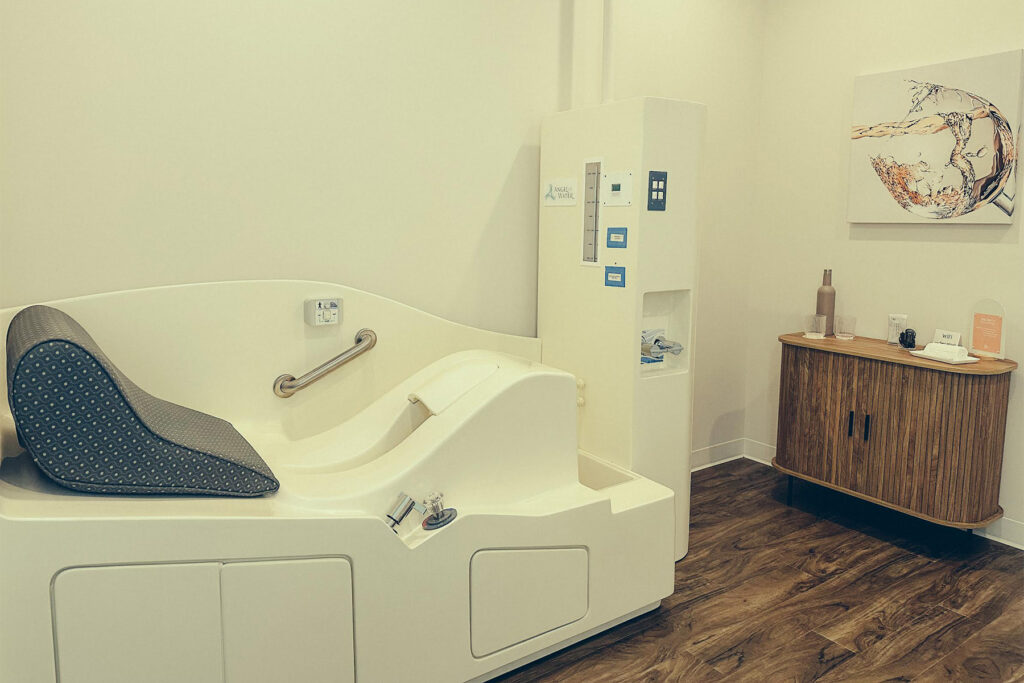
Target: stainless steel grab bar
[(286, 385)]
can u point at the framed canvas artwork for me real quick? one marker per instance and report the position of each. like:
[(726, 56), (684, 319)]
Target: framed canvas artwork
[(937, 143)]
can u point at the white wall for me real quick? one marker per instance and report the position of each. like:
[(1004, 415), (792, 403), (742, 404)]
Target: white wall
[(706, 51), (797, 224), (388, 146)]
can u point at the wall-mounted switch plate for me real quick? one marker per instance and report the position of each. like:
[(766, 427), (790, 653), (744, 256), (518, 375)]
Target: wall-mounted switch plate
[(318, 312), (617, 188), (657, 190)]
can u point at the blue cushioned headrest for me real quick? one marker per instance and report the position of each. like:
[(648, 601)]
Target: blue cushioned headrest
[(89, 428)]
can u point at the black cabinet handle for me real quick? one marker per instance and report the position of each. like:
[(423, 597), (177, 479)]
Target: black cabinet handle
[(867, 427), (849, 429)]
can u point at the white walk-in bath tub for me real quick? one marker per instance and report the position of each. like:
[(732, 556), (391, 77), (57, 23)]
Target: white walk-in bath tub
[(310, 583)]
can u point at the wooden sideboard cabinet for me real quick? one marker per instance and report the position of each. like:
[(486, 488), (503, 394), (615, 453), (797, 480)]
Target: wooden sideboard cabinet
[(919, 436)]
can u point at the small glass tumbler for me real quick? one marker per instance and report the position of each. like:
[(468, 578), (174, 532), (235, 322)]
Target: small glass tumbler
[(845, 326), (814, 327)]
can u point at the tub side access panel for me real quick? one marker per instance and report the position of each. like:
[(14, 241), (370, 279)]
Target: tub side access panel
[(206, 622), (519, 594)]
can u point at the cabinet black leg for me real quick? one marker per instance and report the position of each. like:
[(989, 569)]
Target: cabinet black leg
[(789, 490)]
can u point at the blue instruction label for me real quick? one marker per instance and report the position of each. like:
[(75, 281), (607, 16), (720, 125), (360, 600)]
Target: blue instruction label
[(614, 276), (616, 238)]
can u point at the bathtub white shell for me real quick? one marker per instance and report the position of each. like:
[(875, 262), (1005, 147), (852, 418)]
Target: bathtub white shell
[(500, 443)]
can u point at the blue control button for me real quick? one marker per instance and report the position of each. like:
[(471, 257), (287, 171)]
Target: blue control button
[(616, 238), (614, 276)]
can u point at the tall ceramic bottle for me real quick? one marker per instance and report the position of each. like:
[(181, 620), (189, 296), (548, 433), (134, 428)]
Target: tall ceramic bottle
[(827, 301)]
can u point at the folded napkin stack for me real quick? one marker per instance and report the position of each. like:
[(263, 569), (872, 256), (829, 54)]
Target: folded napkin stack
[(946, 351)]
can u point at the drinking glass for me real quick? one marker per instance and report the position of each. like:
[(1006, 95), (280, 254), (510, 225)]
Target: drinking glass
[(845, 326), (814, 327)]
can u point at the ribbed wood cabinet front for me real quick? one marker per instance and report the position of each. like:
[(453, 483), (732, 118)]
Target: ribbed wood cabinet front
[(924, 441)]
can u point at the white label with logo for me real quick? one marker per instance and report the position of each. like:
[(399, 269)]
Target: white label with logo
[(558, 192)]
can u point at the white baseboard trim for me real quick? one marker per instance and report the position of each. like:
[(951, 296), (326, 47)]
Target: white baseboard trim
[(1004, 530), (761, 452), (716, 463), (716, 454)]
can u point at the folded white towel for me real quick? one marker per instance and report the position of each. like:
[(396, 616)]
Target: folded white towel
[(946, 351)]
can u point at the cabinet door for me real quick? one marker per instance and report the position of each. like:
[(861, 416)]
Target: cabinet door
[(815, 399), (879, 461), (840, 399), (949, 445)]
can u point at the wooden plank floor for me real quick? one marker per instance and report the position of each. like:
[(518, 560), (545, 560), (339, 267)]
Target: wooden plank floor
[(831, 589)]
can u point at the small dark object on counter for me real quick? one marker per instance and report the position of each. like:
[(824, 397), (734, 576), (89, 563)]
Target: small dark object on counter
[(908, 338)]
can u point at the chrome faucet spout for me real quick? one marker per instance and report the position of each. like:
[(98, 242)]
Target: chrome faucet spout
[(403, 506)]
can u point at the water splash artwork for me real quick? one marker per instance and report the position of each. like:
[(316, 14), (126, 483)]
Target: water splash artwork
[(949, 152)]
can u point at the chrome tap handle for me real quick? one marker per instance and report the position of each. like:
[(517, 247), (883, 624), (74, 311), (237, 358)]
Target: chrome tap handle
[(439, 516), (434, 503)]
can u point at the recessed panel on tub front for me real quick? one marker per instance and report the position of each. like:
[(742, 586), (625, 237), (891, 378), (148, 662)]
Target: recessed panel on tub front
[(288, 620), (158, 623), (519, 594), (206, 622)]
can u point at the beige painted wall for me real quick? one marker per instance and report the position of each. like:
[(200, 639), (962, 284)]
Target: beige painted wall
[(388, 146), (706, 51), (391, 148), (146, 142), (812, 52)]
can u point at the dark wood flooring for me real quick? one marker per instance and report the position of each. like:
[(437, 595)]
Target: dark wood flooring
[(831, 588)]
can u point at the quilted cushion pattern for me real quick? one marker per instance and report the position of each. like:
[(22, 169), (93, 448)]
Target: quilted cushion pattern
[(90, 428)]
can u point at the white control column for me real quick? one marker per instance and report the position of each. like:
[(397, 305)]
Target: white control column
[(617, 266)]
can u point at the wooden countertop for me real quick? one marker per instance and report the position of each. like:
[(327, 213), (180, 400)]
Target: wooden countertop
[(879, 349)]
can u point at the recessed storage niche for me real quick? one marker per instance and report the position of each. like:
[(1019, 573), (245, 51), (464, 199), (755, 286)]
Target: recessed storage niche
[(669, 311)]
